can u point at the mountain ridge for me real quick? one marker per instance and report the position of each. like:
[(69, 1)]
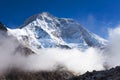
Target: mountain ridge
[(46, 31)]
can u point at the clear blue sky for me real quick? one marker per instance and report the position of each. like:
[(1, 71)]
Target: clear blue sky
[(95, 15)]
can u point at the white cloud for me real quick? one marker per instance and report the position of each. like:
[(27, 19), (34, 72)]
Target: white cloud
[(73, 60)]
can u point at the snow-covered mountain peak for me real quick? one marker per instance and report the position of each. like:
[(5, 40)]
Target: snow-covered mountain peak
[(41, 16), (46, 14), (45, 31)]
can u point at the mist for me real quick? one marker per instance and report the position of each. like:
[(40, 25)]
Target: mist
[(8, 45), (74, 60), (113, 53), (49, 59)]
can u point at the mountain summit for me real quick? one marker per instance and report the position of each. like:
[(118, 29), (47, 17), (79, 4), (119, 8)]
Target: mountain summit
[(45, 31)]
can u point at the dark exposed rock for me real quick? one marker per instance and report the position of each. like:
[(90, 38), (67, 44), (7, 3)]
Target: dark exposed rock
[(64, 46), (112, 74), (3, 27), (25, 51), (44, 75)]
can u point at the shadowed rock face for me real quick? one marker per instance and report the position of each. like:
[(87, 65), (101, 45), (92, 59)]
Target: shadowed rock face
[(24, 51), (3, 27)]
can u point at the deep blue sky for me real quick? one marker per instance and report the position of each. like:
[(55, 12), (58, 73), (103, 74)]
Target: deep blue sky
[(95, 15)]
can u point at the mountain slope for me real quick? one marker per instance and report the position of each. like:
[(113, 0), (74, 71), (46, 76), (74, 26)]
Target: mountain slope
[(46, 31)]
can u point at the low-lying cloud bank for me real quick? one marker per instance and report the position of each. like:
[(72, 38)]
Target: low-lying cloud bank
[(73, 60)]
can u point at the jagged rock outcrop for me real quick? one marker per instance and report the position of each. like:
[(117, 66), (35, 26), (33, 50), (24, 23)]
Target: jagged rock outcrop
[(112, 74)]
